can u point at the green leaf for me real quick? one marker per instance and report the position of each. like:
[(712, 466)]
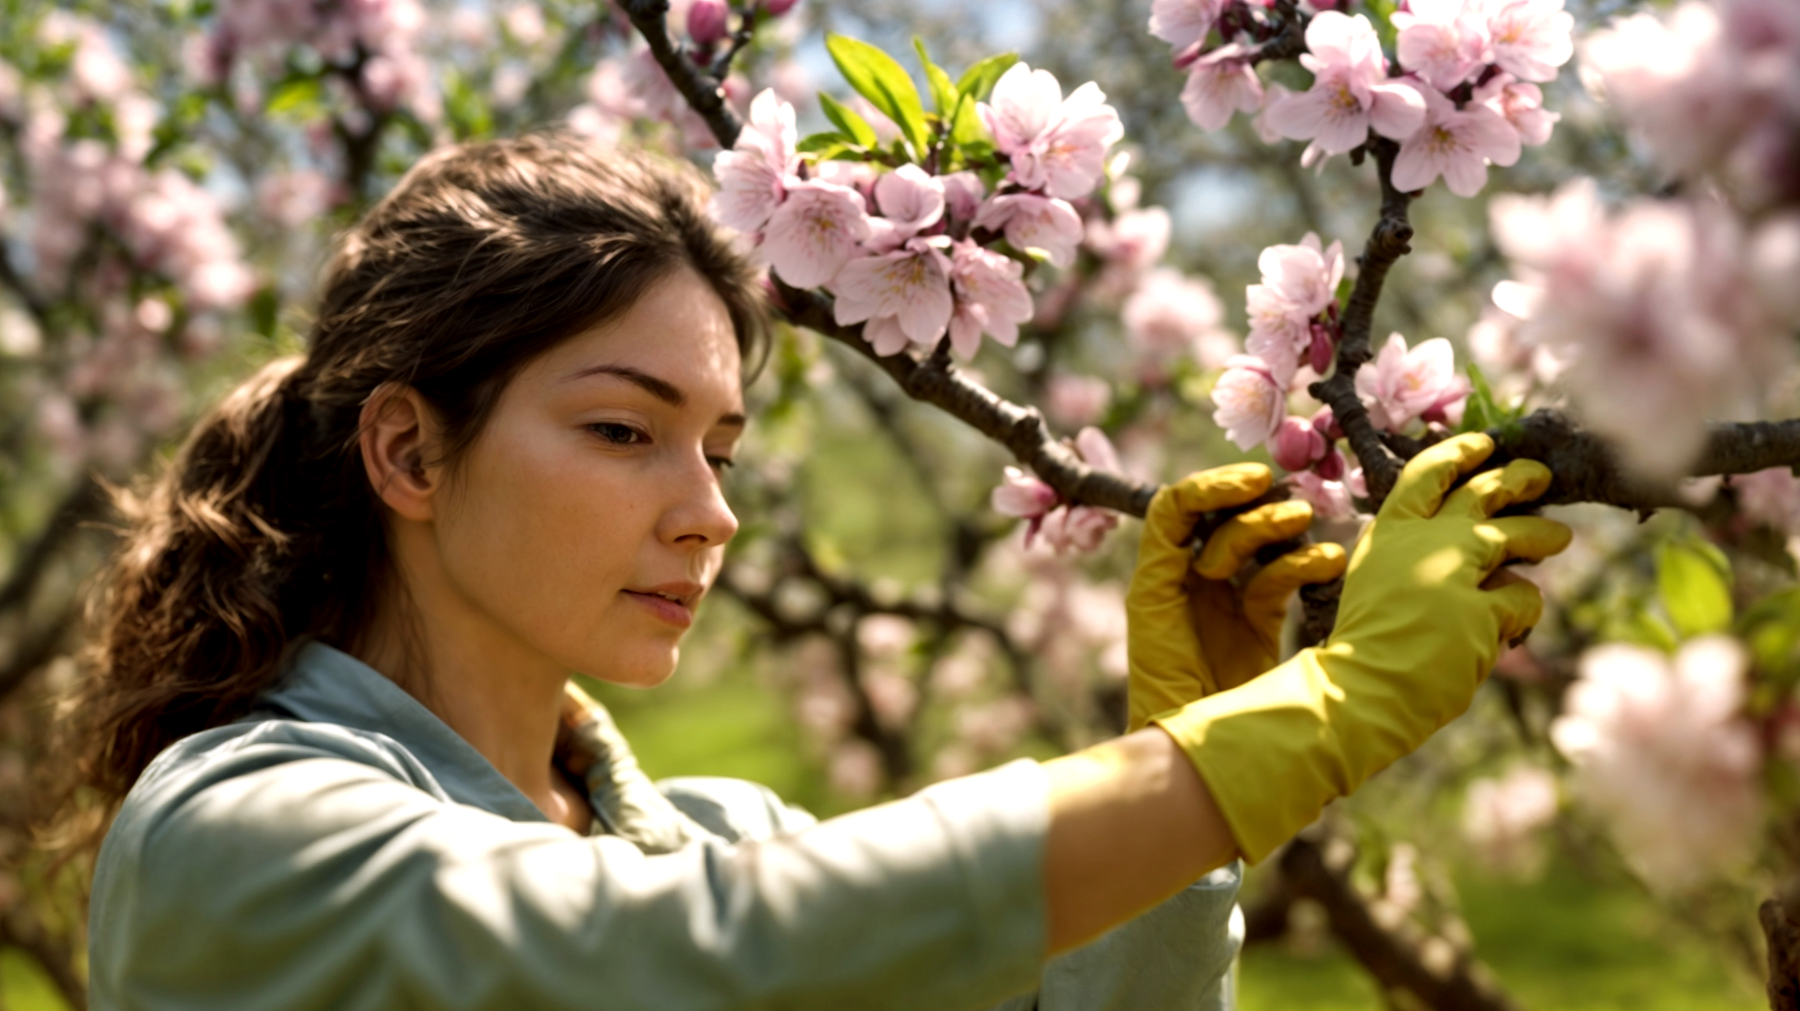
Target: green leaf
[(1693, 580), (943, 94), (820, 141), (979, 79), (263, 306), (299, 100), (965, 126), (854, 128), (876, 77), (1480, 413)]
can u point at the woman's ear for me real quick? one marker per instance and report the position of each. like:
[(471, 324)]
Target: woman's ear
[(398, 434)]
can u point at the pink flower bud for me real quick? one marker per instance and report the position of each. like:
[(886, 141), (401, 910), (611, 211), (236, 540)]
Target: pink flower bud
[(707, 21), (1321, 349), (1023, 496), (777, 8), (1296, 445), (1325, 423), (1330, 466)]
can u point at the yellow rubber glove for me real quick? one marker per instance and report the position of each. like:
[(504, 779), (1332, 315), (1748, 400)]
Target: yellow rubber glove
[(1419, 627), (1192, 631)]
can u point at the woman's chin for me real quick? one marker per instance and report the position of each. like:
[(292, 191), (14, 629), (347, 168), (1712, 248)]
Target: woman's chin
[(648, 670)]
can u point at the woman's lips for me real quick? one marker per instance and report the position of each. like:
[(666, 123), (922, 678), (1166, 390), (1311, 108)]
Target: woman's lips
[(671, 611)]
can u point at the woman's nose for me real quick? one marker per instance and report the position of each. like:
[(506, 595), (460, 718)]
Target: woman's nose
[(700, 516)]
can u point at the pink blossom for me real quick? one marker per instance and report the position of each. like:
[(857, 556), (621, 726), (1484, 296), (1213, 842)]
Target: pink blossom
[(991, 283), (1400, 386), (1075, 400), (1134, 240), (1077, 528), (1661, 751), (814, 232), (1350, 93), (1770, 496), (708, 21), (1522, 106), (1056, 145), (1296, 445), (854, 769), (1653, 310), (1443, 41), (1034, 222), (1457, 144), (963, 193), (1330, 499), (910, 202), (1500, 816), (1220, 83), (1183, 23), (753, 174), (1530, 38), (292, 199), (1023, 496), (1171, 316), (1249, 402), (1097, 451), (911, 285), (1299, 282)]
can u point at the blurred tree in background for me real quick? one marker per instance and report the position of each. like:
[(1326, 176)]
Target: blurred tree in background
[(1606, 822)]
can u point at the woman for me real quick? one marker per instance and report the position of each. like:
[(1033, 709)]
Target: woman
[(334, 655)]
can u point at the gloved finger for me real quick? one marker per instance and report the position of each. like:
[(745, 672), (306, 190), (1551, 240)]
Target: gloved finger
[(1178, 506), (1525, 538), (1270, 589), (1517, 602), (1240, 537), (1426, 478), (1493, 490)]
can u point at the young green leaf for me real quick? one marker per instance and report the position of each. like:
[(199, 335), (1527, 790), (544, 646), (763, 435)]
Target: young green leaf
[(876, 77), (1480, 412), (819, 143), (943, 93), (979, 79), (852, 126), (1693, 580)]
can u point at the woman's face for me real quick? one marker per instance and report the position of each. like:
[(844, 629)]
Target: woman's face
[(587, 518)]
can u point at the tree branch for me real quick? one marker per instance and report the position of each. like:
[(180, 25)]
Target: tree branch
[(1444, 982), (698, 86), (1022, 430), (82, 503), (1390, 240)]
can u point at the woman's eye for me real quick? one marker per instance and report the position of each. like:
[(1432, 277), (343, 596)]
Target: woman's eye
[(618, 434), (720, 463)]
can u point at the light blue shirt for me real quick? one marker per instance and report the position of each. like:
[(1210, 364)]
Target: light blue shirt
[(342, 848)]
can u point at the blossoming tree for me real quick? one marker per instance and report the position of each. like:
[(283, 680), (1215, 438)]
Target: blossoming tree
[(994, 345)]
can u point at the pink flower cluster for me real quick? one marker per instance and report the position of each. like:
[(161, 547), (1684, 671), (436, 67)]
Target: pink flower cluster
[(1502, 816), (1662, 751), (1468, 96), (1713, 88), (904, 251), (171, 225), (1663, 315), (1293, 320), (394, 74), (1064, 527)]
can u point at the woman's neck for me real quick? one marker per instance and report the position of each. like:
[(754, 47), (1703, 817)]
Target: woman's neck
[(501, 697)]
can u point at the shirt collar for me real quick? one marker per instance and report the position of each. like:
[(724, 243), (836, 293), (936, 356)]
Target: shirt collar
[(326, 685)]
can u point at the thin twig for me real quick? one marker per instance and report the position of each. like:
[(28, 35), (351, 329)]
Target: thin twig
[(1390, 240)]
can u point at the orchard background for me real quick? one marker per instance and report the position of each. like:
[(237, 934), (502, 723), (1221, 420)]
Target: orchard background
[(1013, 302)]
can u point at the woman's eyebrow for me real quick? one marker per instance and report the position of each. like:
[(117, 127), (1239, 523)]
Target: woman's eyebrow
[(661, 389)]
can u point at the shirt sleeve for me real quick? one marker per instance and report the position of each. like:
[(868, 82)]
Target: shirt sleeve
[(1175, 957), (282, 873)]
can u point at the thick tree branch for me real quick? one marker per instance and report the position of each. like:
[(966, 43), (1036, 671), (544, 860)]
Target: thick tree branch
[(1022, 430), (1390, 240), (1431, 969), (699, 86)]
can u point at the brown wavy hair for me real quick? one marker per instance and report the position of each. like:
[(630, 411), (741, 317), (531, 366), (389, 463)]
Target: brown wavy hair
[(265, 529)]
